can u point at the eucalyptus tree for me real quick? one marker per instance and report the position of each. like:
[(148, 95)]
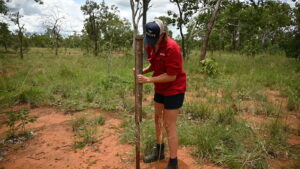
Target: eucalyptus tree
[(136, 15), (5, 36), (146, 6), (209, 29), (186, 8), (116, 32), (187, 17), (53, 22), (3, 7), (291, 45), (91, 24), (15, 18)]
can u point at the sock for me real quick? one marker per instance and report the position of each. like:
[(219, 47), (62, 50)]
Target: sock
[(173, 161)]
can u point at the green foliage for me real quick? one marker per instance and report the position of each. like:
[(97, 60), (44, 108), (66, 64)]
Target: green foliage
[(86, 128), (3, 7), (99, 120), (104, 25), (225, 145), (277, 141), (17, 121), (293, 101), (148, 138), (195, 110), (291, 47), (225, 117), (209, 66)]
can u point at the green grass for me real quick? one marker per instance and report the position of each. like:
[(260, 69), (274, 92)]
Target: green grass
[(79, 81), (85, 127)]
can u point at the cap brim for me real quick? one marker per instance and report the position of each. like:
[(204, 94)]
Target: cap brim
[(150, 41)]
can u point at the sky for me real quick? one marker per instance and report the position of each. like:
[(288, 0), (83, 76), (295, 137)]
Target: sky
[(35, 15)]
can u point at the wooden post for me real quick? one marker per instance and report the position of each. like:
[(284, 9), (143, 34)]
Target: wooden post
[(138, 94)]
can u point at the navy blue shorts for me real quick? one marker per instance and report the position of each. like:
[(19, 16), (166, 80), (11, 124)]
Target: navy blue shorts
[(170, 102)]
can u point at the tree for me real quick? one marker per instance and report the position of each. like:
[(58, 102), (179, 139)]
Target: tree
[(291, 45), (91, 25), (53, 23), (15, 18), (5, 36), (40, 40), (183, 18), (145, 9), (3, 7), (209, 29), (136, 14)]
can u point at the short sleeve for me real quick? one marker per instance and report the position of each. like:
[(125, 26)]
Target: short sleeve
[(173, 61)]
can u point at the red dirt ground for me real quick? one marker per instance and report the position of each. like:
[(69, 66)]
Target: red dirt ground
[(52, 147)]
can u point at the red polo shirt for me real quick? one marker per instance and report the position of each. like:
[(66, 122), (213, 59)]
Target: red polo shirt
[(168, 59)]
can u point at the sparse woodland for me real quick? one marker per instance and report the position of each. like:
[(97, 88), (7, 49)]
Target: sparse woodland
[(67, 100)]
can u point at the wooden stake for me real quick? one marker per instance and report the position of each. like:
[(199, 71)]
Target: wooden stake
[(138, 94)]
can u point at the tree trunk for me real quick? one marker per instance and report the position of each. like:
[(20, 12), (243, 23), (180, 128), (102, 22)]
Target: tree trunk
[(95, 47), (233, 40), (181, 32), (5, 46), (145, 9), (134, 35), (56, 45), (209, 29), (182, 42), (21, 44)]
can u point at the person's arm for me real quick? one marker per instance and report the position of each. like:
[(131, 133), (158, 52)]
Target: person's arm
[(163, 78), (148, 69)]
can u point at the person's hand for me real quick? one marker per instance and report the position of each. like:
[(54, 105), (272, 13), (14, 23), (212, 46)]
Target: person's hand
[(143, 79)]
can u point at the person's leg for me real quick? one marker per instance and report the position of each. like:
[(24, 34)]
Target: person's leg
[(158, 107), (170, 118), (158, 154)]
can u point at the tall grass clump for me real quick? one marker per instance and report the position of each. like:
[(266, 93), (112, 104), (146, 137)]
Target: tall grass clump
[(197, 111), (86, 128), (276, 140), (148, 138), (232, 145)]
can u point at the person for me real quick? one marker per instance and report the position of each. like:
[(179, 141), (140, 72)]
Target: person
[(169, 81)]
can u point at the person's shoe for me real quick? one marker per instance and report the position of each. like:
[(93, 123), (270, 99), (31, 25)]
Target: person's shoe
[(173, 163), (158, 154)]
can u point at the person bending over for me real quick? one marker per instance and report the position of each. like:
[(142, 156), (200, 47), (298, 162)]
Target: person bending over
[(169, 81)]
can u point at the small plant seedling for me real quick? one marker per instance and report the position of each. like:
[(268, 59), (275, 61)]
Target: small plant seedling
[(17, 120)]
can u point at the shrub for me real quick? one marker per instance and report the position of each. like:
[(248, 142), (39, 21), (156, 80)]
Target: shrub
[(209, 66), (17, 120)]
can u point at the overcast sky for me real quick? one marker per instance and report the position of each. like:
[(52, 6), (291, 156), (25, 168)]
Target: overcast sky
[(35, 14)]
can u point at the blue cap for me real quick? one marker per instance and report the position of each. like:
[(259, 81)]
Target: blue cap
[(153, 31)]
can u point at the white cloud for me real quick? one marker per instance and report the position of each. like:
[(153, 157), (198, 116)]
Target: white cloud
[(70, 9), (158, 8), (34, 14)]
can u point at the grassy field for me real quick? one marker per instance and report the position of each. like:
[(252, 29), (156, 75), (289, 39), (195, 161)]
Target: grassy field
[(236, 114)]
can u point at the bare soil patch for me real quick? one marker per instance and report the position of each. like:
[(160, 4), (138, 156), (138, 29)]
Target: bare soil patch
[(52, 146)]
